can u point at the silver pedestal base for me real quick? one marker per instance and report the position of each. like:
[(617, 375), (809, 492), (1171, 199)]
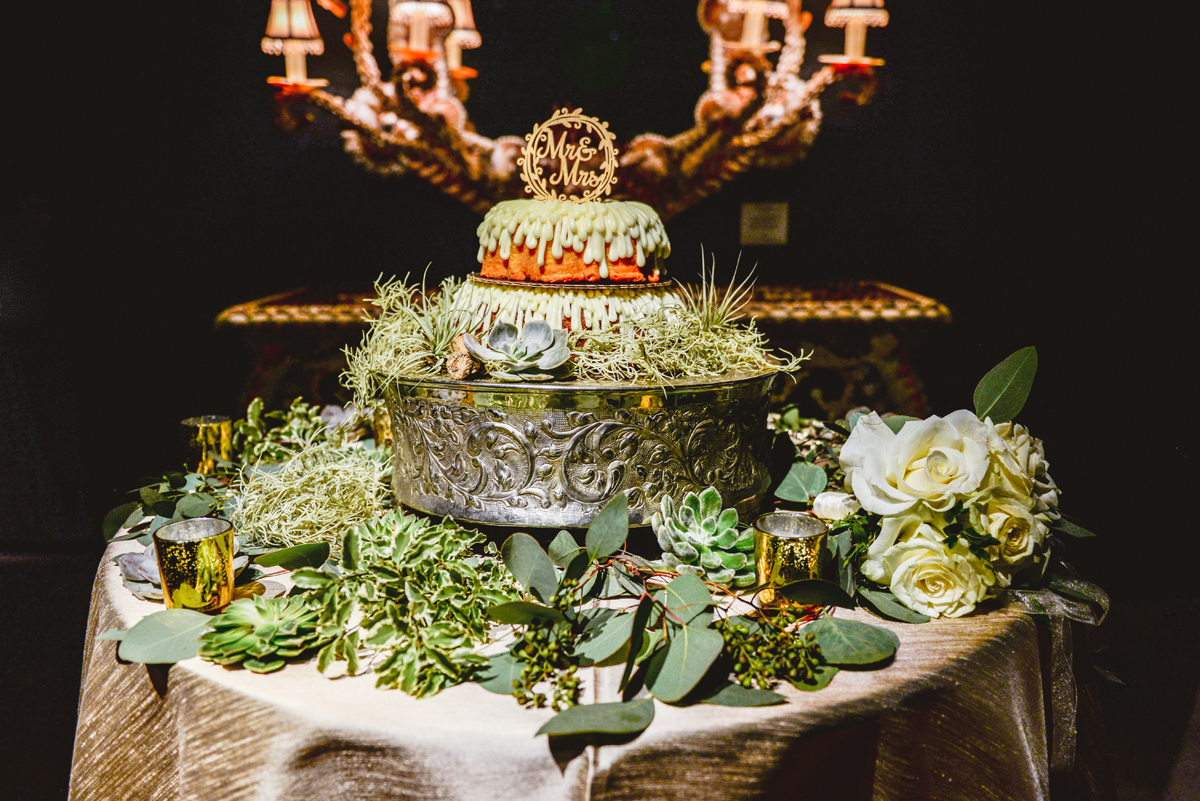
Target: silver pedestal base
[(552, 455)]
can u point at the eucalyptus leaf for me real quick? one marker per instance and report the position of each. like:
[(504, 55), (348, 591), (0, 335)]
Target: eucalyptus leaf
[(501, 674), (849, 642), (887, 606), (824, 675), (167, 509), (310, 554), (803, 481), (523, 613), (198, 504), (158, 522), (609, 529), (817, 592), (164, 637), (676, 670), (612, 635), (563, 548), (578, 565), (115, 520), (1070, 528), (530, 565), (351, 549), (621, 717), (732, 694), (637, 638), (688, 601), (1002, 392), (895, 422), (112, 634), (842, 544)]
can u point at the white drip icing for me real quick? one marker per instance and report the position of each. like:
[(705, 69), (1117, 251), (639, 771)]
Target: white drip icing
[(599, 231), (517, 305)]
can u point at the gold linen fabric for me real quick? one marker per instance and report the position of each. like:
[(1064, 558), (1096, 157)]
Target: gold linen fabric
[(958, 715)]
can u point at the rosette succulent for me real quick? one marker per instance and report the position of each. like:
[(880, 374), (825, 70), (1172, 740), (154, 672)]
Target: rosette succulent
[(261, 633), (539, 354), (700, 539)]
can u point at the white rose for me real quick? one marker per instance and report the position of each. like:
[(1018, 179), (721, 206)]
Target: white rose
[(1010, 521), (1010, 448), (834, 505), (924, 575), (1019, 467), (934, 461)]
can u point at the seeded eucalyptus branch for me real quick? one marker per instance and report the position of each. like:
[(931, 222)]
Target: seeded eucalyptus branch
[(667, 631)]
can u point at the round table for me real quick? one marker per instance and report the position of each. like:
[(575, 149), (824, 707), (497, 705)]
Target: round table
[(959, 714)]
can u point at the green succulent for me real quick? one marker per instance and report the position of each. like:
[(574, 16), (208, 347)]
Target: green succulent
[(261, 633), (540, 353), (700, 539)]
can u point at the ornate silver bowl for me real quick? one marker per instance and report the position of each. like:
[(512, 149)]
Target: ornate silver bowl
[(552, 455)]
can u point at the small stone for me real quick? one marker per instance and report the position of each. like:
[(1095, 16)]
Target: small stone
[(460, 366)]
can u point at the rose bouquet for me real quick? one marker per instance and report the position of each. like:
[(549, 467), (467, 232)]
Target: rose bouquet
[(942, 513)]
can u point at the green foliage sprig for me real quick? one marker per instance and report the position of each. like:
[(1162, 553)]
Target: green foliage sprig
[(276, 436), (667, 631), (422, 594), (168, 499)]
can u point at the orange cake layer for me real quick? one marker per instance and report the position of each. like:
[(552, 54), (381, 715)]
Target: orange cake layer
[(560, 241), (522, 265)]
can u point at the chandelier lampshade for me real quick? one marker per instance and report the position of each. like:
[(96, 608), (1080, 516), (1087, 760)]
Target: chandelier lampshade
[(292, 32), (855, 16), (463, 37)]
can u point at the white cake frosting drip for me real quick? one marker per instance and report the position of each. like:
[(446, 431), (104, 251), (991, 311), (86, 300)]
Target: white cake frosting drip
[(577, 310), (598, 230)]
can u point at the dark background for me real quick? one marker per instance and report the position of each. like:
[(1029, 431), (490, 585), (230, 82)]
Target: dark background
[(1014, 166), (1021, 163)]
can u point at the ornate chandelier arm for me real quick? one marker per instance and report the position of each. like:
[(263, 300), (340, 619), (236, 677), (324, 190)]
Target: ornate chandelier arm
[(752, 115), (360, 45)]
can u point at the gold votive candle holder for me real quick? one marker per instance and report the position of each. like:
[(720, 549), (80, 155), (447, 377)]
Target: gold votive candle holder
[(381, 422), (195, 562), (788, 547), (210, 437)]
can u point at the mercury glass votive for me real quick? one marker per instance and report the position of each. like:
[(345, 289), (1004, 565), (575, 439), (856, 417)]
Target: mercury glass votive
[(788, 547), (195, 561), (211, 438)]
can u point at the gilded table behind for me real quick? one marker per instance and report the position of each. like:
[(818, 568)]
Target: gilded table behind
[(863, 335)]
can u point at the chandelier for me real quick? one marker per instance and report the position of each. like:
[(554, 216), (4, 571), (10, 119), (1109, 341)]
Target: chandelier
[(756, 112)]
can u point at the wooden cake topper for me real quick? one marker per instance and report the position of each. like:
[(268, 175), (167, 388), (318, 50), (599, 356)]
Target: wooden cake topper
[(569, 156)]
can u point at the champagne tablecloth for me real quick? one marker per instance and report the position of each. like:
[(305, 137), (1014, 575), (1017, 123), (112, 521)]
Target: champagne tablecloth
[(958, 715)]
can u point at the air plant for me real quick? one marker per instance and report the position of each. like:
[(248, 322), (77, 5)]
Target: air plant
[(713, 308), (705, 338), (312, 497), (413, 335)]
